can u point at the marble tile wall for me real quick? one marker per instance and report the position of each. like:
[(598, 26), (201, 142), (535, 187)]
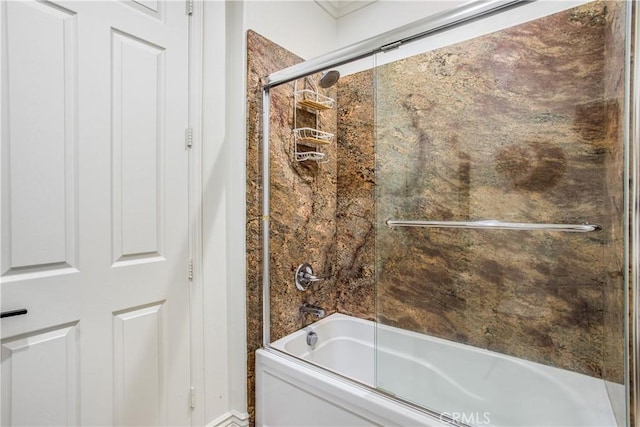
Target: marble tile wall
[(510, 126), (302, 205), (263, 58), (615, 286), (355, 209), (320, 213)]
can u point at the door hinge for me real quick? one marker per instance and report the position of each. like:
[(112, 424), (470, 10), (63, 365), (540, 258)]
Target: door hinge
[(188, 136), (190, 269), (192, 398), (189, 9)]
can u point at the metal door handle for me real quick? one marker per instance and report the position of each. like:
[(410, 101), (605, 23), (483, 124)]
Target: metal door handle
[(12, 313)]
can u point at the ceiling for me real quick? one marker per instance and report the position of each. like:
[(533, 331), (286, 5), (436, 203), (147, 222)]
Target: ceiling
[(339, 8)]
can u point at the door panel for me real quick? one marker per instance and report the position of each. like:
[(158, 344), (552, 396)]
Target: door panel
[(41, 394), (139, 353), (38, 169), (94, 212), (138, 101), (152, 8)]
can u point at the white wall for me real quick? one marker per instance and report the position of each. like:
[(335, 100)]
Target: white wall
[(386, 15), (218, 371), (305, 29), (301, 27)]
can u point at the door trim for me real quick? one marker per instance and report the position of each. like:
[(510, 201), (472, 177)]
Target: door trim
[(195, 213)]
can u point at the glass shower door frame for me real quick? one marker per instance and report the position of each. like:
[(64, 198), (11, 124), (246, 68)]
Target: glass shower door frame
[(633, 164)]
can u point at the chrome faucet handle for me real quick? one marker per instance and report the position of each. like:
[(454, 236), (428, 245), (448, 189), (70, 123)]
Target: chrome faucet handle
[(312, 278), (304, 276)]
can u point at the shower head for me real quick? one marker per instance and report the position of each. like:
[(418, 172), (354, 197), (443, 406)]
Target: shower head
[(329, 78)]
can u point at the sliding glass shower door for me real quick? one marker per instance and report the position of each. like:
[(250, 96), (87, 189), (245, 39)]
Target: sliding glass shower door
[(500, 220)]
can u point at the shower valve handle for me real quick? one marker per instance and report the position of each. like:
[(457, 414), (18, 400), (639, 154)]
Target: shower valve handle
[(304, 276)]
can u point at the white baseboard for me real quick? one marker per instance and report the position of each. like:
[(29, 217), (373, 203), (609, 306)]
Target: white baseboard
[(231, 419)]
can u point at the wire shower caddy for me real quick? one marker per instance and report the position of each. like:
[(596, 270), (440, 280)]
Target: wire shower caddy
[(313, 138)]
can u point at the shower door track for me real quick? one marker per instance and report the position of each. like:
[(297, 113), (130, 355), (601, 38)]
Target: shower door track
[(497, 225), (392, 39)]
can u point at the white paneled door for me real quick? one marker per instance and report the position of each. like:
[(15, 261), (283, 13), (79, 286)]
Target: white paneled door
[(94, 213)]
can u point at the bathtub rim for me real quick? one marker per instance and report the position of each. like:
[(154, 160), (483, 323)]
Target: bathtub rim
[(280, 350), (435, 416)]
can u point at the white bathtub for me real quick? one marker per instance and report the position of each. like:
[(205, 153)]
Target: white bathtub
[(468, 384)]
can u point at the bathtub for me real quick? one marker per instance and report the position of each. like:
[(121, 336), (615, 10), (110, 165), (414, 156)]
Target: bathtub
[(463, 383)]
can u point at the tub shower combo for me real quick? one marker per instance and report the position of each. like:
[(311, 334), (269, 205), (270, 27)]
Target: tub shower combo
[(445, 218)]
